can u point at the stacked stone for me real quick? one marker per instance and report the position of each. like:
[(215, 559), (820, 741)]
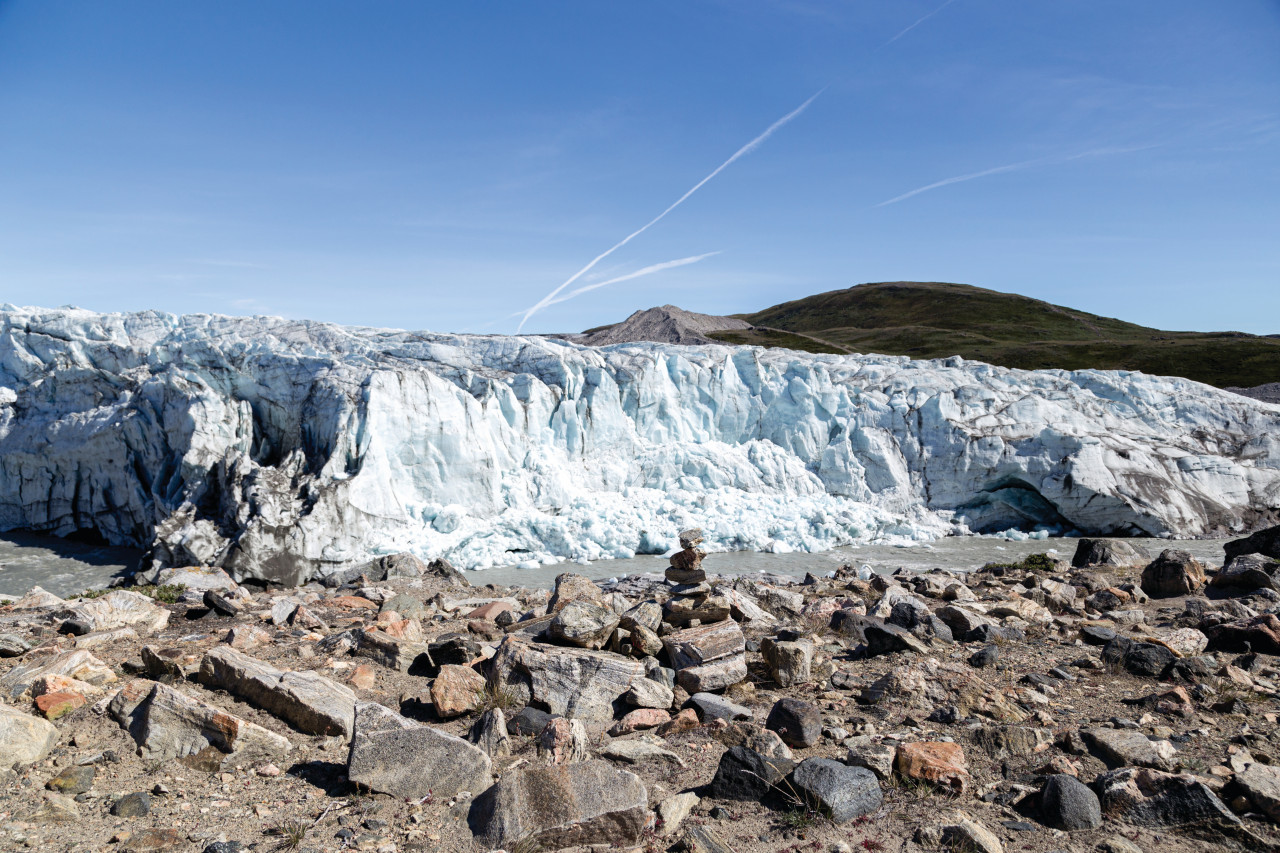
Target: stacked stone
[(691, 601)]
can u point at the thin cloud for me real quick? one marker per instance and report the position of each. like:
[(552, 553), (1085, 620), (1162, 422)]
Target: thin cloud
[(1014, 167), (918, 23), (741, 152)]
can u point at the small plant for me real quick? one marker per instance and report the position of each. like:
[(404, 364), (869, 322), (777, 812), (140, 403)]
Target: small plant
[(496, 696), (167, 593), (291, 834), (528, 844), (1033, 563)]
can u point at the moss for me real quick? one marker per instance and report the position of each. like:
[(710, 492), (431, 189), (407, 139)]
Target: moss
[(1033, 563), (167, 593)]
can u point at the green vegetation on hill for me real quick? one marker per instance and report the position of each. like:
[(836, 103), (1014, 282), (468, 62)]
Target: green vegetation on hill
[(936, 320)]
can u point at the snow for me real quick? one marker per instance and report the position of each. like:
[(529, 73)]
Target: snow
[(280, 449)]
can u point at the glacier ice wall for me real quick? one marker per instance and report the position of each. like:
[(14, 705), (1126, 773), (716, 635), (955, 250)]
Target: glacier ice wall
[(281, 448)]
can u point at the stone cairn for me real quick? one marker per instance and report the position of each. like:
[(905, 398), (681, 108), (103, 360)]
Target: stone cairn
[(691, 601)]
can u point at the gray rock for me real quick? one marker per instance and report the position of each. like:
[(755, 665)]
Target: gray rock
[(887, 639), (691, 538), (310, 702), (1066, 803), (701, 839), (841, 792), (1108, 552), (1174, 573), (570, 587), (1001, 742), (223, 603), (73, 780), (1248, 572), (528, 721), (1265, 542), (789, 662), (562, 806), (398, 653), (984, 657), (576, 683), (490, 734), (717, 675), (406, 605), (673, 810), (24, 739), (583, 624), (402, 758), (746, 775), (798, 723), (636, 751), (646, 614), (167, 724), (1147, 797), (12, 646), (137, 804), (704, 644), (647, 693), (1128, 748), (711, 706), (1261, 784), (876, 757)]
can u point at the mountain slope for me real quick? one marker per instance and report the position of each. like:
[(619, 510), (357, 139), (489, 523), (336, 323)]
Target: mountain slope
[(936, 320)]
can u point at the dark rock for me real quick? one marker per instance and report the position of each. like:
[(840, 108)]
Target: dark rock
[(852, 625), (442, 764), (1147, 797), (1258, 634), (567, 805), (529, 721), (746, 775), (72, 780), (797, 722), (1066, 803), (887, 639), (1108, 552), (1172, 574), (990, 633), (841, 792), (1266, 542), (225, 847), (1148, 659), (137, 804), (1247, 573), (984, 657)]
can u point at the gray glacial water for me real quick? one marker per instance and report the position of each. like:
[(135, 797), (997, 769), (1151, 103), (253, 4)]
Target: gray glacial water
[(66, 567)]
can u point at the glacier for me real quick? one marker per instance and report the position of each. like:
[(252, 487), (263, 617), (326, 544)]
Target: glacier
[(284, 449)]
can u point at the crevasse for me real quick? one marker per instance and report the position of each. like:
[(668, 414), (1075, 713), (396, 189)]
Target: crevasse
[(281, 449)]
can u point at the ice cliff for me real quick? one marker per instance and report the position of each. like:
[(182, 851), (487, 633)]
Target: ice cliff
[(280, 448)]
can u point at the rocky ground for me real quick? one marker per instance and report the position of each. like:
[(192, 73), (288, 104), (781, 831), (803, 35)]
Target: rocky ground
[(1116, 703)]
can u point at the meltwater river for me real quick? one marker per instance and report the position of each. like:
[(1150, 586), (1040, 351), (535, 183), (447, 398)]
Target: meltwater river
[(65, 567)]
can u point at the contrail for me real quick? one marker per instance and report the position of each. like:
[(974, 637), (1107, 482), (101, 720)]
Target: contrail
[(918, 23), (744, 150), (1014, 167), (665, 265)]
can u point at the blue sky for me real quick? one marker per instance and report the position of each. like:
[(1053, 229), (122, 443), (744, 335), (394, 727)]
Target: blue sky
[(447, 166)]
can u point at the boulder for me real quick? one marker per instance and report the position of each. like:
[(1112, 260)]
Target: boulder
[(457, 690), (1246, 573), (408, 652), (310, 702), (118, 609), (583, 624), (790, 662), (78, 664), (1147, 797), (1174, 573), (646, 614), (575, 683), (490, 734), (198, 578), (167, 724), (1113, 553), (938, 762), (569, 805), (570, 587), (673, 810), (746, 775), (1129, 748), (563, 741), (1258, 634), (13, 646), (711, 706), (1261, 784), (874, 756), (647, 693), (839, 791), (1066, 803), (639, 720), (797, 722), (886, 639), (711, 677), (965, 833), (76, 779), (1265, 542), (405, 759), (24, 739)]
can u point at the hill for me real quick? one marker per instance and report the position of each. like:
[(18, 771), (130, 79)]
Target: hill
[(664, 324), (936, 320)]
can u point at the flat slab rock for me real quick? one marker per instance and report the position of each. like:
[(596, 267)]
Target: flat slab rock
[(562, 806), (166, 724), (576, 683), (24, 739), (311, 702), (406, 759), (1126, 748)]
